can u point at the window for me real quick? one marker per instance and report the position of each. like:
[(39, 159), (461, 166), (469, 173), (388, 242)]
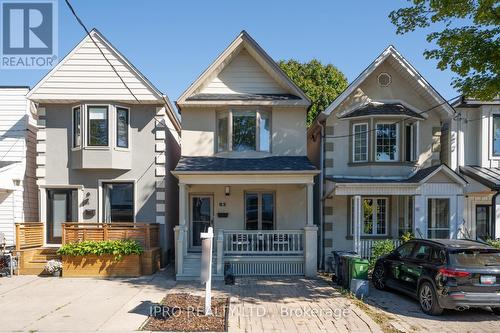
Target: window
[(406, 223), (244, 131), (411, 142), (77, 126), (438, 218), (496, 134), (97, 122), (122, 121), (373, 215), (387, 142), (118, 202), (483, 222), (259, 211), (360, 142)]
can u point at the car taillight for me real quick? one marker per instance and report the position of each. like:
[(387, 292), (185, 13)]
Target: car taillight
[(450, 272)]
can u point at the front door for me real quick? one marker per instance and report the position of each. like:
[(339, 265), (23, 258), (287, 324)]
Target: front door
[(201, 217), (61, 207)]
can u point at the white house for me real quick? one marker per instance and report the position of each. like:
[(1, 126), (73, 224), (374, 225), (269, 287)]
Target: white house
[(18, 190)]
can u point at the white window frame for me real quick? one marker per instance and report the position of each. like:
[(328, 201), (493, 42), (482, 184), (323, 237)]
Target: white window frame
[(396, 154), (115, 107), (100, 197), (110, 125), (491, 134), (354, 142), (415, 152), (73, 144), (374, 215)]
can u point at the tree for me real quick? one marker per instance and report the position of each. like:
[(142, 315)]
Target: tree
[(468, 44), (321, 83)]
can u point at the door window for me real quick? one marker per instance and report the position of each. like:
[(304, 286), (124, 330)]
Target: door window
[(422, 252), (62, 206), (201, 217), (259, 211), (405, 250)]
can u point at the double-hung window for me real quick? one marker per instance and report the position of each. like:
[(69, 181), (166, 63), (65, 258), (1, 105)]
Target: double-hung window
[(243, 130), (77, 126), (122, 121), (386, 142), (374, 216), (97, 125), (496, 135), (360, 142)]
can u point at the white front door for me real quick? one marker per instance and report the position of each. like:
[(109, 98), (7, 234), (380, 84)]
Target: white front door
[(201, 217)]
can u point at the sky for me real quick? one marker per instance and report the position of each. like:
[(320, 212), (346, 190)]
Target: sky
[(172, 42)]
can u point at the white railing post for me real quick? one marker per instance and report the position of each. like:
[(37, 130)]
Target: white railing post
[(220, 252), (179, 249), (310, 250)]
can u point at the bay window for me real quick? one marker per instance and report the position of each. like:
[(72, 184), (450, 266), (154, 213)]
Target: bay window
[(243, 130), (411, 142), (386, 142), (77, 126), (97, 123), (122, 120), (374, 216), (360, 142)]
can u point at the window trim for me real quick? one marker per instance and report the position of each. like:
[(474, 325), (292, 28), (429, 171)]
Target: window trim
[(354, 142), (259, 208), (398, 143), (87, 145), (387, 215), (73, 144), (100, 197), (229, 113), (116, 127)]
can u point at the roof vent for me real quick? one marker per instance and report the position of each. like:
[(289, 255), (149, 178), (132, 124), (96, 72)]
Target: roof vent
[(384, 79)]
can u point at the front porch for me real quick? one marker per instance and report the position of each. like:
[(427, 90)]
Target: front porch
[(263, 224)]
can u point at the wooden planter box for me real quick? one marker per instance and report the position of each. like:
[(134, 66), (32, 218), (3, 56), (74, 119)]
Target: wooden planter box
[(101, 266)]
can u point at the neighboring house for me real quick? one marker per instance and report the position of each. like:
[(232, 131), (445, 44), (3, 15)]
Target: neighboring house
[(18, 190), (244, 168), (384, 145), (105, 149), (478, 157)]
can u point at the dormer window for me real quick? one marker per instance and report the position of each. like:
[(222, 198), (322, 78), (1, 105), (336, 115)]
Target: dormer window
[(243, 130)]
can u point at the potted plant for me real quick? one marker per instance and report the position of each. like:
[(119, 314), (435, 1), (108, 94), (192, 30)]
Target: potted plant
[(54, 267)]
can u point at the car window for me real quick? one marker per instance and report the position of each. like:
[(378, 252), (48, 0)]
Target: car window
[(438, 256), (475, 258), (405, 250), (422, 252)]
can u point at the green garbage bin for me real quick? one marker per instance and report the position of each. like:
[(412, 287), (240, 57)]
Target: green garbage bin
[(347, 266), (358, 269)]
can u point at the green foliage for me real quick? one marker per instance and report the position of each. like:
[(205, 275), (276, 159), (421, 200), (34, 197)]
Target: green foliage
[(494, 242), (407, 236), (118, 248), (379, 249), (468, 44), (321, 83)]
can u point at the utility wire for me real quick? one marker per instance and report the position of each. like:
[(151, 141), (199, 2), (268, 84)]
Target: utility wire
[(100, 50), (395, 123)]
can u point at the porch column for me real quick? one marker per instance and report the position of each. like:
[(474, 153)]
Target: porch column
[(182, 238), (458, 227), (356, 234), (310, 204), (420, 225)]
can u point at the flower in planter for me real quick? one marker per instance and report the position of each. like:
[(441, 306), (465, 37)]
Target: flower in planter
[(53, 266)]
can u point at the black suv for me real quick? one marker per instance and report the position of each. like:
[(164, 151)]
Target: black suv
[(443, 274)]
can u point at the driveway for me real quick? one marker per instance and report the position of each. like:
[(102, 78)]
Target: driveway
[(405, 315), (289, 305)]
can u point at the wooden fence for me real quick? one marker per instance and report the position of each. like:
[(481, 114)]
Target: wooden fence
[(29, 235), (146, 234)]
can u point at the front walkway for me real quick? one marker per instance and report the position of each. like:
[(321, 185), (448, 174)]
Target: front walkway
[(289, 305)]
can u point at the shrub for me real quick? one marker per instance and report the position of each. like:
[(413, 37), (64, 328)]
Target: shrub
[(379, 249), (406, 237), (494, 242), (118, 248)]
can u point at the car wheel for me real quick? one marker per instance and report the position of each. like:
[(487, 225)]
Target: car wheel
[(378, 277), (496, 311), (428, 300)]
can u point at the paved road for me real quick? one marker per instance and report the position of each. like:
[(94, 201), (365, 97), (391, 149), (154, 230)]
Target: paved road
[(407, 316)]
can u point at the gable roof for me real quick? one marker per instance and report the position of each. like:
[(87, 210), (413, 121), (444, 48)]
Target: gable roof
[(84, 71), (390, 53), (386, 109), (243, 41)]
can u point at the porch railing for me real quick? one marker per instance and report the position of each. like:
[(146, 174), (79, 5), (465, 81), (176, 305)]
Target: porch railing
[(271, 242), (367, 246), (29, 235), (146, 234)]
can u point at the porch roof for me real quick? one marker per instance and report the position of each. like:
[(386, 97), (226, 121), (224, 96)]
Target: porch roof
[(280, 164), (489, 177), (396, 109)]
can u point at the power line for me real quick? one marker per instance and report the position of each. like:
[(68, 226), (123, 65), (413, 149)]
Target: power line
[(395, 123), (100, 50)]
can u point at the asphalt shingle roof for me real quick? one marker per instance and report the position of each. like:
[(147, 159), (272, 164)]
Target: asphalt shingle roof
[(246, 97), (383, 109), (416, 178), (218, 164), (489, 177)]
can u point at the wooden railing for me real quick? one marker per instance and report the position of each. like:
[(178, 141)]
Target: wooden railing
[(29, 235), (269, 242), (367, 247), (148, 235)]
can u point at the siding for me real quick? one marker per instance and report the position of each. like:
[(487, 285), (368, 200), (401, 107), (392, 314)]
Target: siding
[(243, 75), (86, 75)]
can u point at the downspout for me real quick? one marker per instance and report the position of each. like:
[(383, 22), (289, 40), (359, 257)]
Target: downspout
[(493, 214), (321, 200)]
